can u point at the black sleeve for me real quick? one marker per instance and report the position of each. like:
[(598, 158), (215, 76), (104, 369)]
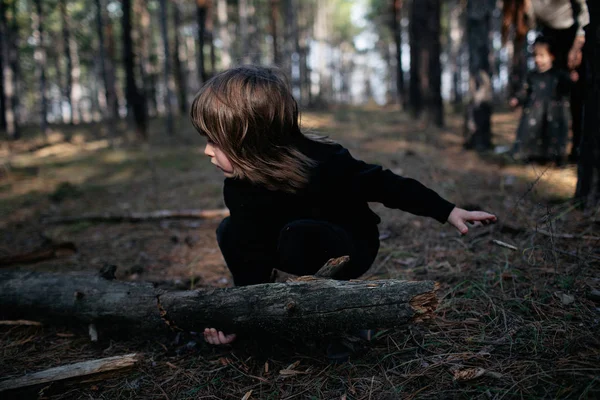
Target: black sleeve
[(564, 84), (524, 93), (375, 184)]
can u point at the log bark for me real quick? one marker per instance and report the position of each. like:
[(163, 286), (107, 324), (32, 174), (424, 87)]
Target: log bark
[(71, 371), (309, 306)]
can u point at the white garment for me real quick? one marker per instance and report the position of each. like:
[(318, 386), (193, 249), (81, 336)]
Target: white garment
[(557, 14)]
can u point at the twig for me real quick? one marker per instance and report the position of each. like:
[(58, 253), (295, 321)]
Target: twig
[(141, 216), (71, 371), (55, 251), (508, 246), (21, 322), (567, 235)]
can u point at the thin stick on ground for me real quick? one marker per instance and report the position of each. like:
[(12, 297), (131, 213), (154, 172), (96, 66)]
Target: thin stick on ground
[(141, 216), (70, 371)]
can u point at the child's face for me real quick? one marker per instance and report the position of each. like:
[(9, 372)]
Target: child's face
[(543, 57), (218, 158)]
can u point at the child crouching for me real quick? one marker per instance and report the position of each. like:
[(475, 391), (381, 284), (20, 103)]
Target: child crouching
[(295, 200)]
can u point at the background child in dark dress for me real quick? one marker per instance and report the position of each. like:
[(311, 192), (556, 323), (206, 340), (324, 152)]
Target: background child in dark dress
[(295, 201), (544, 127)]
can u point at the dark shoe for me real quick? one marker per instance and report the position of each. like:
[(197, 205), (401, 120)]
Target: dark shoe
[(338, 352), (366, 334)]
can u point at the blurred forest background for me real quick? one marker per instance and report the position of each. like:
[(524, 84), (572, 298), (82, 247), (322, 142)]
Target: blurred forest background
[(79, 62), (74, 62)]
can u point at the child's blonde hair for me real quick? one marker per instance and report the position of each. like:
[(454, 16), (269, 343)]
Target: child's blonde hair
[(251, 115)]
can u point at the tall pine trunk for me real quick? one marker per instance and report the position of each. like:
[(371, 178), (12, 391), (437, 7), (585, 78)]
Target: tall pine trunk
[(478, 118), (273, 17), (178, 68), (136, 102), (243, 32), (588, 169), (167, 66), (222, 17), (40, 60), (416, 43), (201, 9), (106, 70), (457, 42), (425, 68), (3, 62), (397, 32), (147, 51), (69, 62), (12, 75)]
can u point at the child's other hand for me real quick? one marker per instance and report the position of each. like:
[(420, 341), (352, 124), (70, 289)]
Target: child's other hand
[(459, 218), (574, 76), (513, 102)]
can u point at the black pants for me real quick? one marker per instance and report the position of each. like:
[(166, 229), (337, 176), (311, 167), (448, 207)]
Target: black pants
[(561, 41), (301, 247)]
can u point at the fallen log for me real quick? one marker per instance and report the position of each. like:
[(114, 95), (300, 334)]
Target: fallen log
[(71, 371), (140, 216), (305, 306)]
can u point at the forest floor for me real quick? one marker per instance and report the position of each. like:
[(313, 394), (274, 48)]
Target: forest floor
[(526, 319)]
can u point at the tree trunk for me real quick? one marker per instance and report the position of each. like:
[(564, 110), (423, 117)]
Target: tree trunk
[(243, 33), (40, 60), (67, 52), (397, 32), (274, 16), (456, 39), (224, 34), (588, 169), (416, 43), (289, 39), (479, 113), (167, 67), (136, 102), (308, 306), (201, 9), (147, 49), (434, 100), (12, 77), (178, 68), (106, 71), (425, 68), (3, 61)]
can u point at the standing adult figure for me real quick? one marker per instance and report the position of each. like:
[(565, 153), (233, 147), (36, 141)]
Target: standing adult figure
[(562, 23)]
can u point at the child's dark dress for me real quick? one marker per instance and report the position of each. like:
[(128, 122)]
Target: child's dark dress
[(544, 126), (298, 233)]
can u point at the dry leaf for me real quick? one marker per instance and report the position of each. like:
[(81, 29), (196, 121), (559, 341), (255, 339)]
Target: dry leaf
[(247, 395), (566, 299), (468, 374), (266, 367), (293, 365), (290, 372), (224, 361), (507, 276)]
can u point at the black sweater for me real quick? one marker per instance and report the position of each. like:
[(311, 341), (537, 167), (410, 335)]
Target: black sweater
[(338, 191)]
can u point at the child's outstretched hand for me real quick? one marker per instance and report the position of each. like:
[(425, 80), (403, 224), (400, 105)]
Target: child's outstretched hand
[(459, 218), (213, 336)]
